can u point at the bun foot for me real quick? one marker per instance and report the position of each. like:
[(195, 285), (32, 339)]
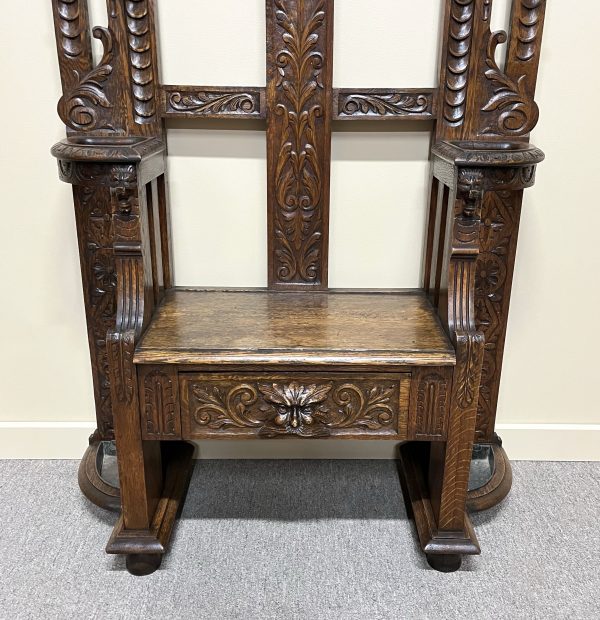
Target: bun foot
[(141, 564), (444, 563)]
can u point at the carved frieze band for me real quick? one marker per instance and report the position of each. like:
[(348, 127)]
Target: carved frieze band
[(299, 100), (213, 102), (249, 102), (159, 394), (378, 103), (304, 407)]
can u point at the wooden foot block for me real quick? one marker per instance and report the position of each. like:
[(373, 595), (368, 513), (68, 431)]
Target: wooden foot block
[(179, 465), (434, 542)]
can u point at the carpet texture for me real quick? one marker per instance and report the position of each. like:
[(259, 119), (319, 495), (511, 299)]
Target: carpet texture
[(314, 540)]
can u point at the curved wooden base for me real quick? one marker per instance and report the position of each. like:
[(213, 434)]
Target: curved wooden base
[(497, 487), (142, 564), (444, 563), (97, 490)]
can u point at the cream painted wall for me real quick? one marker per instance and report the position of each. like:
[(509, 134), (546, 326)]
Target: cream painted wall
[(218, 184)]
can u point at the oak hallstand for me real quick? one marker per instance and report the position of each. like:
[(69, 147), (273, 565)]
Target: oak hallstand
[(297, 359)]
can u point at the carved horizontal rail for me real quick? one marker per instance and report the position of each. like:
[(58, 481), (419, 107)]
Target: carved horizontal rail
[(384, 104), (249, 102)]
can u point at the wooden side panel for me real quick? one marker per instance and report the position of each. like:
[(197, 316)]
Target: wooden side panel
[(223, 406), (493, 282), (99, 279), (299, 110)]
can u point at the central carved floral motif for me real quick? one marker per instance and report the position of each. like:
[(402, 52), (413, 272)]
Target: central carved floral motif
[(304, 410)]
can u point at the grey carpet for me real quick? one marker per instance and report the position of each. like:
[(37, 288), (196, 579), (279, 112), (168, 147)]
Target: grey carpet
[(314, 540)]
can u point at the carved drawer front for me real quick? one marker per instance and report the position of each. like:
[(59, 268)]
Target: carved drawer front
[(159, 402), (294, 405)]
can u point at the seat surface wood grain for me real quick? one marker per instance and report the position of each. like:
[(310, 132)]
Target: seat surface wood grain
[(216, 326)]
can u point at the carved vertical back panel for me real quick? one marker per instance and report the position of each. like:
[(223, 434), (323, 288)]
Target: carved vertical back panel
[(299, 109)]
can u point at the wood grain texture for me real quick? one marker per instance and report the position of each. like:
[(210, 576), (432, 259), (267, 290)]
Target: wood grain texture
[(224, 327), (301, 405), (299, 111)]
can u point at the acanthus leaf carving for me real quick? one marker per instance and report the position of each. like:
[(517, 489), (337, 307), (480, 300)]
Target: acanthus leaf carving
[(79, 108), (515, 111), (204, 102), (383, 104), (293, 408), (298, 172)]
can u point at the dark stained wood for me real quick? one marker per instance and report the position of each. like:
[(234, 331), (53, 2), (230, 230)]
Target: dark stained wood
[(299, 112), (220, 327), (296, 405), (415, 104), (213, 102), (153, 539), (434, 541), (297, 359)]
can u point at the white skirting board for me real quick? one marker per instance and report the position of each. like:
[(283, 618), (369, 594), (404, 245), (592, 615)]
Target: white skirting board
[(523, 442)]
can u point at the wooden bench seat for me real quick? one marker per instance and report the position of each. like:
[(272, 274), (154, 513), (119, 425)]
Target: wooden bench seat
[(221, 327)]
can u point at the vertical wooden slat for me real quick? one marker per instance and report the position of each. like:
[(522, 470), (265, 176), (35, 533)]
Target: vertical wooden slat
[(299, 109)]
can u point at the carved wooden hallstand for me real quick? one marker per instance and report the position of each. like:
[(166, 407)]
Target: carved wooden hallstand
[(420, 367)]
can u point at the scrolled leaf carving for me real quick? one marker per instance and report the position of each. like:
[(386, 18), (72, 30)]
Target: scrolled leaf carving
[(516, 114), (79, 108), (204, 102), (293, 408), (299, 170), (392, 104)]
